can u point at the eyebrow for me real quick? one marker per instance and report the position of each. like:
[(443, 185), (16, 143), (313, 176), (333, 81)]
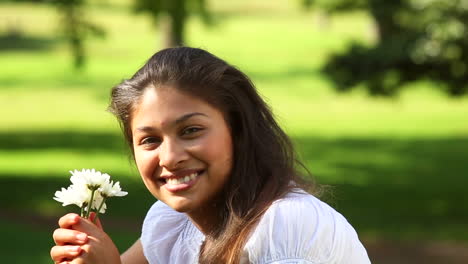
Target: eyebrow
[(177, 121), (187, 116)]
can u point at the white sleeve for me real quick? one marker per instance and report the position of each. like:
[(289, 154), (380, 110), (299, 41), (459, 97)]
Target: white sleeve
[(302, 229), (160, 232)]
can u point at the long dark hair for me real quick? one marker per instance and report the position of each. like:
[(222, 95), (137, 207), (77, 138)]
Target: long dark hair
[(265, 167)]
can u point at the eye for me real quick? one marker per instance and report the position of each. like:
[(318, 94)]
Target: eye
[(191, 130), (150, 141)]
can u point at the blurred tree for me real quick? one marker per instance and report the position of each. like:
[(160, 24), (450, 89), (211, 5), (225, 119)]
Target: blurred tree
[(173, 14), (76, 28), (416, 39)]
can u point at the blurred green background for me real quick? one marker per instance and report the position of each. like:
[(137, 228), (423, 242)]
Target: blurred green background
[(397, 167)]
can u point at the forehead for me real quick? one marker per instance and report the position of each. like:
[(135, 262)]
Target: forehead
[(162, 105)]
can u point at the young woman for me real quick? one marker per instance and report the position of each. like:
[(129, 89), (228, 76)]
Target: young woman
[(225, 174)]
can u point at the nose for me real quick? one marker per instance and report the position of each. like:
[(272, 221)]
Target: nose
[(171, 154)]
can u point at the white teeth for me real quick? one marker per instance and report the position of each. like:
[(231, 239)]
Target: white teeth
[(172, 181), (185, 179)]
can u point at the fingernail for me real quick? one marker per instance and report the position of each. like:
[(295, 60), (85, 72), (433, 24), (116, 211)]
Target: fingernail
[(81, 237), (75, 218), (74, 249)]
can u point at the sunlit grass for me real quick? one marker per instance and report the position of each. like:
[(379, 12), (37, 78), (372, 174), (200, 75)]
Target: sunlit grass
[(37, 108), (32, 162)]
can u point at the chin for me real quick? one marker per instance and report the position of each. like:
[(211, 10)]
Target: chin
[(179, 204)]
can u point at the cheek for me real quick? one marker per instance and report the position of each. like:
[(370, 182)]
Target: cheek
[(138, 160), (219, 154), (146, 163)]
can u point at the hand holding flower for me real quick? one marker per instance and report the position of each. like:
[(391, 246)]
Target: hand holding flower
[(80, 241)]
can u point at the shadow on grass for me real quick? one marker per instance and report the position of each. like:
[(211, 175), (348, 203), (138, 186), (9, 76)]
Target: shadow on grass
[(88, 141), (395, 188), (15, 41)]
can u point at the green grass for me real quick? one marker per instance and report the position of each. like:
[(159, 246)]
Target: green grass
[(397, 166)]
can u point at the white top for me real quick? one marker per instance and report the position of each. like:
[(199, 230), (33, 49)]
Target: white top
[(298, 228)]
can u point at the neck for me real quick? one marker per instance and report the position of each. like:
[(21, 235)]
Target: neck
[(207, 218)]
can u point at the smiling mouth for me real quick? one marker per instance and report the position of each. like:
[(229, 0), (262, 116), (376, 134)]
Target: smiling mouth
[(181, 180)]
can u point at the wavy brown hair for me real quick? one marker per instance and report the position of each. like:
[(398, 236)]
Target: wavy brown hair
[(265, 167)]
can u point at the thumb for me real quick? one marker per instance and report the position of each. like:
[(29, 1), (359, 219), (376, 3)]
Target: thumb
[(93, 218)]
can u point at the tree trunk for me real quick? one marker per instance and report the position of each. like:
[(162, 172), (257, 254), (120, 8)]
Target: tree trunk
[(384, 18), (174, 24)]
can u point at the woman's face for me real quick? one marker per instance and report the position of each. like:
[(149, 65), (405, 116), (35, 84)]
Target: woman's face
[(183, 148)]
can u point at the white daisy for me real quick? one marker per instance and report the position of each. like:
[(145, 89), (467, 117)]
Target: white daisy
[(89, 185), (97, 202), (112, 189), (90, 178), (73, 195)]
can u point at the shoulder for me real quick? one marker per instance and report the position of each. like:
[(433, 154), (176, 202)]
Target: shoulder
[(165, 231), (163, 217), (300, 228)]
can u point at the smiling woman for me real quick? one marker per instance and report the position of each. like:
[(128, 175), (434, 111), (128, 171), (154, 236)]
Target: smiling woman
[(226, 176), (183, 153)]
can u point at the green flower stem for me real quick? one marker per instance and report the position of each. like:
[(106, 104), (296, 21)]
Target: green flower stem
[(99, 209), (82, 211), (90, 204)]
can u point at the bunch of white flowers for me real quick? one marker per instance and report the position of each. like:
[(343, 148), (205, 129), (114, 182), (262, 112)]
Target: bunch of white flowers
[(89, 191)]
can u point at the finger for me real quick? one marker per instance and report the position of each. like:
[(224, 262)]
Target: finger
[(62, 253), (81, 259), (67, 236), (86, 226), (65, 261), (69, 220), (95, 220)]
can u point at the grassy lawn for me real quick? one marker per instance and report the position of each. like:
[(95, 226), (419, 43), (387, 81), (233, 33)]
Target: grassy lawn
[(398, 167)]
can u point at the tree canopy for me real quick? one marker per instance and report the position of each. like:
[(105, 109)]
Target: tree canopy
[(417, 39)]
